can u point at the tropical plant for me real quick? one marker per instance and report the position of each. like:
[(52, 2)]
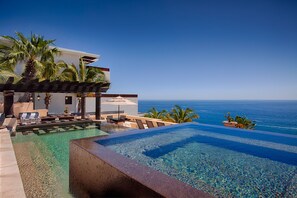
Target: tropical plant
[(241, 121), (5, 74), (180, 115), (154, 113), (66, 111), (47, 100), (50, 71), (82, 74), (33, 51), (244, 123), (7, 66), (229, 117)]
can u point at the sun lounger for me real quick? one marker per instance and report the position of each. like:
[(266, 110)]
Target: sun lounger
[(24, 117), (48, 118), (149, 124), (124, 117), (66, 117), (37, 118), (29, 118), (160, 124), (139, 124), (109, 119), (34, 118)]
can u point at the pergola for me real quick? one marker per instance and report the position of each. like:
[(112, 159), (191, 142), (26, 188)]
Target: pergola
[(30, 86)]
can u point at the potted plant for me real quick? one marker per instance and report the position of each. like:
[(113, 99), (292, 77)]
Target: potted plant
[(66, 111), (230, 121)]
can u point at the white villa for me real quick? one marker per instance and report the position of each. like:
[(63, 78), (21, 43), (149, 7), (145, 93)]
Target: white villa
[(61, 101)]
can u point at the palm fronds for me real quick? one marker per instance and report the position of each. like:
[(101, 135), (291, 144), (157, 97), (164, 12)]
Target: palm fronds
[(177, 114)]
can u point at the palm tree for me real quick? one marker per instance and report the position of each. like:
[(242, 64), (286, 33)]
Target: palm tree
[(82, 74), (50, 71), (7, 66), (33, 51), (179, 115), (154, 113), (229, 117)]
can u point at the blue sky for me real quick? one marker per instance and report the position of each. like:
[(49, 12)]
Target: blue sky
[(175, 49)]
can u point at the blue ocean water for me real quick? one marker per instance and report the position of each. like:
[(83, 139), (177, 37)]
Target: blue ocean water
[(274, 116)]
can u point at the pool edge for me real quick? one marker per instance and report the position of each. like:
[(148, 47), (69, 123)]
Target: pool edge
[(95, 169)]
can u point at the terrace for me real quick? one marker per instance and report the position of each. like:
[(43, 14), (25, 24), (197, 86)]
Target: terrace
[(13, 185)]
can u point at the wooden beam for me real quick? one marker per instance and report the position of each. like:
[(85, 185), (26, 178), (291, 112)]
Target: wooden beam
[(81, 87), (34, 84), (73, 87), (25, 85), (65, 87)]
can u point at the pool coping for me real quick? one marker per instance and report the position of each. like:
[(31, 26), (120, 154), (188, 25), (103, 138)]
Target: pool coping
[(11, 184), (160, 183)]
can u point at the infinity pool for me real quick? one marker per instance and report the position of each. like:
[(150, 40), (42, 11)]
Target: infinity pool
[(43, 161), (218, 160)]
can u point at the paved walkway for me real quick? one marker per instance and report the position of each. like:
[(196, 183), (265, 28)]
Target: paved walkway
[(10, 179)]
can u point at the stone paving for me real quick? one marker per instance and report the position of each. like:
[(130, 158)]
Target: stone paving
[(10, 179)]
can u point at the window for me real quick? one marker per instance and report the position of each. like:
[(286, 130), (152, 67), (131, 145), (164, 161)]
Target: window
[(68, 99)]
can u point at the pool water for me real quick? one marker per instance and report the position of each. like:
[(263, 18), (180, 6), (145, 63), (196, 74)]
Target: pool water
[(221, 161), (43, 161)]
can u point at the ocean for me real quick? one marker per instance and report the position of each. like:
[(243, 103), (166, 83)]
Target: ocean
[(273, 116)]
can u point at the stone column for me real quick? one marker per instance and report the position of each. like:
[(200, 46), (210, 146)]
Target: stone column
[(8, 102), (98, 105)]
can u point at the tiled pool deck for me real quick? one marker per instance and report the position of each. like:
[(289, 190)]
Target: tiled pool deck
[(10, 179)]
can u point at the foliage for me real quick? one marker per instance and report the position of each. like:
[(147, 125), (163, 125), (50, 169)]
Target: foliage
[(51, 70), (83, 74), (177, 114), (34, 51), (154, 113), (180, 115), (66, 110), (228, 117), (4, 75), (47, 100), (242, 121)]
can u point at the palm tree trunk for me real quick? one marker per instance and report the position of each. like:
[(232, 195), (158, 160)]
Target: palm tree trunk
[(30, 70), (29, 74)]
